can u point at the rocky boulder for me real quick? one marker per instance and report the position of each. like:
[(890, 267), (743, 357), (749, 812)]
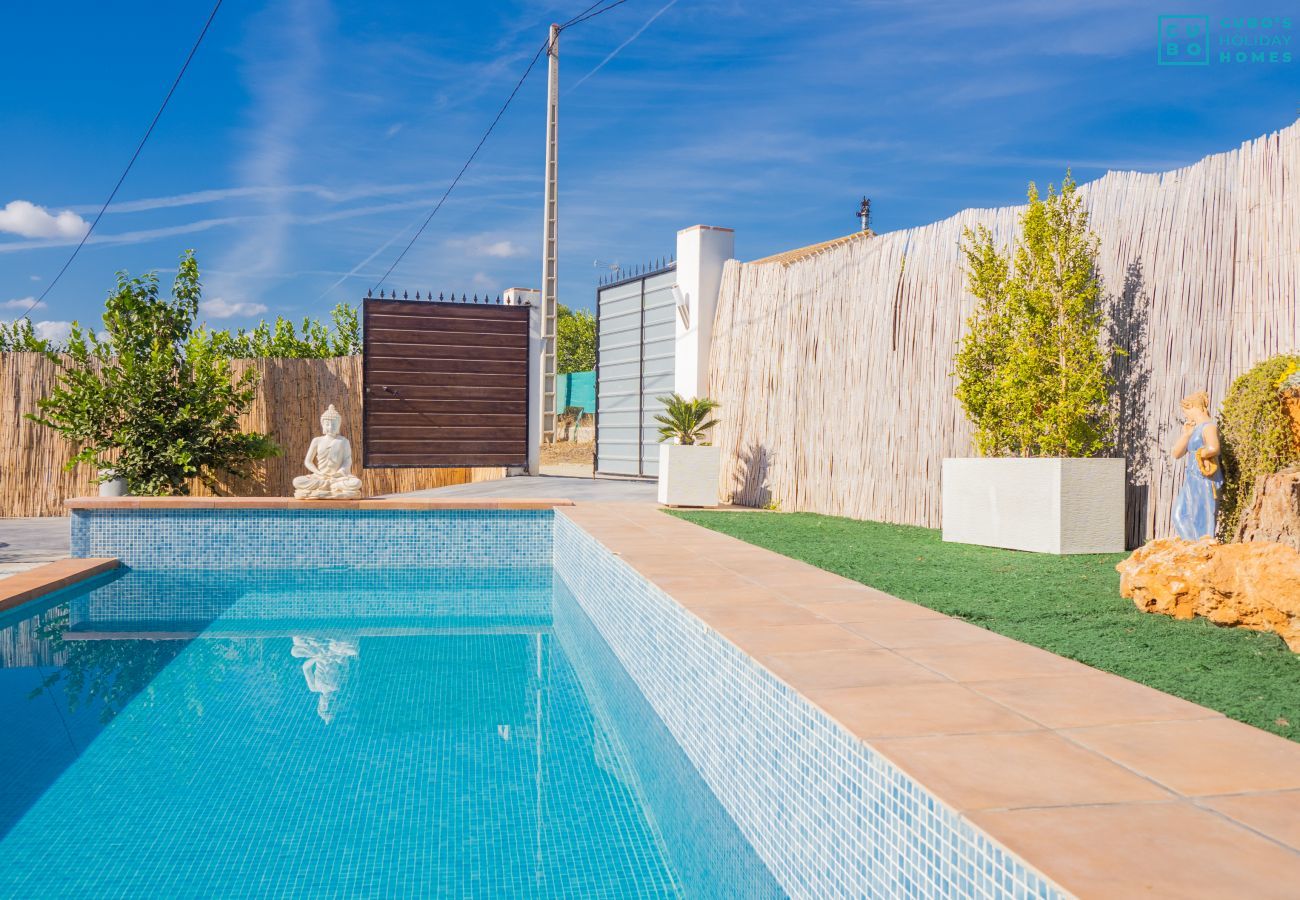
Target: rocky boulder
[(1274, 516), (1251, 585)]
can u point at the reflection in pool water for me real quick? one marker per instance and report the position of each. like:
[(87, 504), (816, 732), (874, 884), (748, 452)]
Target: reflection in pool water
[(481, 741), (326, 664)]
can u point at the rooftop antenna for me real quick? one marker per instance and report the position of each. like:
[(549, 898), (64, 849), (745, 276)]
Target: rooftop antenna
[(864, 213)]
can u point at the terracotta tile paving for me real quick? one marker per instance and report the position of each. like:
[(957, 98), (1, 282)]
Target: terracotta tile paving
[(768, 639), (1171, 850), (974, 662), (895, 710), (45, 579), (745, 614), (1202, 756), (1110, 788), (1009, 771), (1091, 698), (924, 632), (1273, 814), (827, 669), (735, 595)]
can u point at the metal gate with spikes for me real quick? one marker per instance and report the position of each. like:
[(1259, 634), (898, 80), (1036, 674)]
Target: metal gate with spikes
[(635, 360), (446, 381)]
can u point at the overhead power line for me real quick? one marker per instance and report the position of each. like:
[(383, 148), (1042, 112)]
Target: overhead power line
[(134, 156), (589, 13)]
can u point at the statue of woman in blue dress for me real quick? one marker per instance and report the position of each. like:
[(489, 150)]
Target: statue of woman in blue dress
[(1198, 502)]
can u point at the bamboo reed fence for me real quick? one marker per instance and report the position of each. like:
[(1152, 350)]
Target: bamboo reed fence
[(292, 395), (833, 367)]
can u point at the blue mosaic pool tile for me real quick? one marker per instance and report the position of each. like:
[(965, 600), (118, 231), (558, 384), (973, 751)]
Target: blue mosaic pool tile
[(448, 762), (829, 816), (306, 538)]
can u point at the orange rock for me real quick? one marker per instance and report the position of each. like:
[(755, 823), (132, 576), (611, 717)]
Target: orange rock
[(1253, 585)]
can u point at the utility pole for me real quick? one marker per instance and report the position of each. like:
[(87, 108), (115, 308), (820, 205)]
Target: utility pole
[(549, 237)]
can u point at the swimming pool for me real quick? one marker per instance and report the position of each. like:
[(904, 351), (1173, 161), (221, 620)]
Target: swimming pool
[(663, 759), (395, 732)]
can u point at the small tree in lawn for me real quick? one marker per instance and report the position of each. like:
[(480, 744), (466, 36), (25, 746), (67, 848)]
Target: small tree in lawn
[(1031, 369), (145, 401)]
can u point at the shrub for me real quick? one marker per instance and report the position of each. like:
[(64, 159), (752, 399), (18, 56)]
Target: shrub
[(1032, 373), (314, 339), (20, 337), (685, 421), (575, 340), (147, 401), (1256, 436)]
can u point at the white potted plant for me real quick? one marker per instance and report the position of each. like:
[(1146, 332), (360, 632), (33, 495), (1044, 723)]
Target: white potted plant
[(111, 484), (688, 467), (1033, 378)]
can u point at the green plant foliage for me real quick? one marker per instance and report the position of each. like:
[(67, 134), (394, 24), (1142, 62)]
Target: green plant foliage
[(20, 337), (575, 340), (685, 421), (1256, 436), (1031, 370), (314, 339), (146, 401), (1068, 605)]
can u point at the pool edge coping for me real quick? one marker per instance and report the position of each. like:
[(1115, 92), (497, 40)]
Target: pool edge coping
[(1019, 828), (376, 503), (38, 581)]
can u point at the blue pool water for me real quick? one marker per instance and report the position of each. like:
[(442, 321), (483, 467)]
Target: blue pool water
[(305, 733)]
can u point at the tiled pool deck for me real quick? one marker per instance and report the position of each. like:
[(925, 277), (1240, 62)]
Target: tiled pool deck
[(40, 580), (1108, 788)]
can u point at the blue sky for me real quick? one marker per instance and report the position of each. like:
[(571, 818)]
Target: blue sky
[(310, 137)]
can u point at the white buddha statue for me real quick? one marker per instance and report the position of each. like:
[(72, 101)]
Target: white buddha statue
[(329, 460)]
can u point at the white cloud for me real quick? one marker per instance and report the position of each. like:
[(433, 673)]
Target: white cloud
[(23, 303), (487, 245), (53, 331), (482, 280), (34, 277), (218, 308), (32, 221)]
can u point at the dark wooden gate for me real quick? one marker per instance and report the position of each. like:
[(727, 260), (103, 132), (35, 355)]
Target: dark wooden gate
[(446, 384)]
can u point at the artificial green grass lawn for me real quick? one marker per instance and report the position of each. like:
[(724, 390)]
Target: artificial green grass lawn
[(1069, 605)]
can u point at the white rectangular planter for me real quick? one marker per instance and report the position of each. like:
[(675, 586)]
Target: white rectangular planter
[(1045, 505), (688, 474)]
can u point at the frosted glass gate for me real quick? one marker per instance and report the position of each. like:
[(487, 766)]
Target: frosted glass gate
[(635, 348)]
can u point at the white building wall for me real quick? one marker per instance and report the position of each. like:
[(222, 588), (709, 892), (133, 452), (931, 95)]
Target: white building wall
[(702, 250)]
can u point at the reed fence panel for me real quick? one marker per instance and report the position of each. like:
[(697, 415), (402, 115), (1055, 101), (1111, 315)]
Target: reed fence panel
[(834, 369), (292, 395)]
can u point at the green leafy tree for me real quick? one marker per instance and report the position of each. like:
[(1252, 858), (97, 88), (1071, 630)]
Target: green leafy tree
[(20, 337), (685, 421), (1031, 369), (314, 339), (146, 401), (575, 340)]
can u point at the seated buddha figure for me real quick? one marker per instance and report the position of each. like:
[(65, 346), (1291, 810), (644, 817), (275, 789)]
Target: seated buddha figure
[(329, 462)]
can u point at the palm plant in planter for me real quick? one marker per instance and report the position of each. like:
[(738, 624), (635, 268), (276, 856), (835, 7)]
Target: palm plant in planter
[(688, 467), (1032, 377)]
